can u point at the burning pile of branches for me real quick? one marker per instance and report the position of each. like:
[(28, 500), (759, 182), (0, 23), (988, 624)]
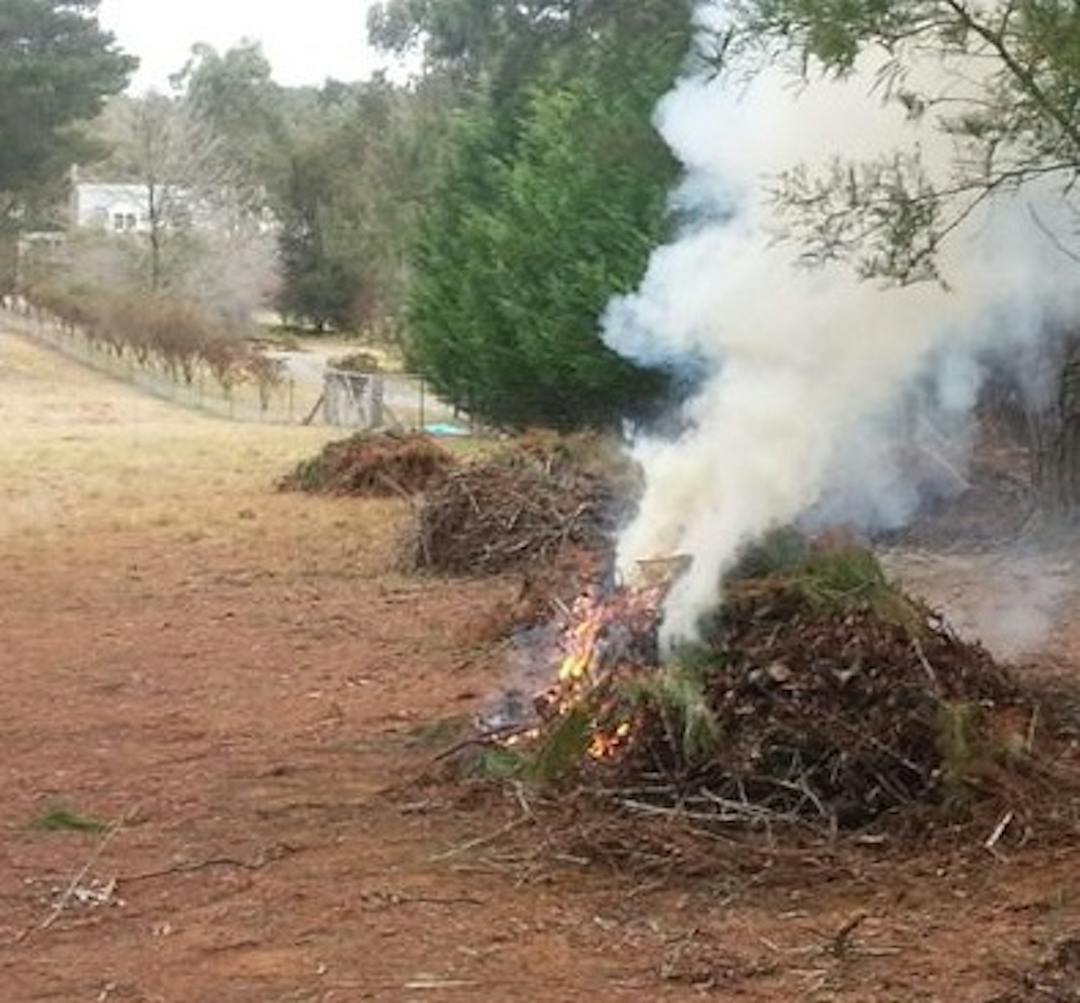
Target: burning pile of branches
[(516, 510), (821, 698), (373, 464)]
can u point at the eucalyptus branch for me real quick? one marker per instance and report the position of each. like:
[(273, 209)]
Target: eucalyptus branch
[(1054, 239), (1023, 76), (888, 217)]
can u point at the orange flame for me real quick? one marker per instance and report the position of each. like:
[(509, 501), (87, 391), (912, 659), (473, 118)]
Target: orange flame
[(589, 660), (580, 641)]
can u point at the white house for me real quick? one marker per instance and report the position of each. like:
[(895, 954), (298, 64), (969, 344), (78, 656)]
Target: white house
[(125, 208), (119, 208)]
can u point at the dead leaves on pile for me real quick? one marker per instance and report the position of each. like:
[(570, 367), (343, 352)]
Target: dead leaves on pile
[(523, 507), (821, 701), (373, 465)]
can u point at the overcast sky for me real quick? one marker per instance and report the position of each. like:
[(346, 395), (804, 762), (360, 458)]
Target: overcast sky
[(305, 41)]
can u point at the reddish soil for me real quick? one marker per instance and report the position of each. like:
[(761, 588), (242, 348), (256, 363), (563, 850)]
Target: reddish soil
[(253, 699)]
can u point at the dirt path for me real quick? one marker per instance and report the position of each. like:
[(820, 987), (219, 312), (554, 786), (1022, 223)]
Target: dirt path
[(240, 676)]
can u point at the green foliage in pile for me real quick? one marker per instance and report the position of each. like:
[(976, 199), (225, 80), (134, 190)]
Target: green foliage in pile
[(825, 577), (834, 578), (564, 745), (680, 693)]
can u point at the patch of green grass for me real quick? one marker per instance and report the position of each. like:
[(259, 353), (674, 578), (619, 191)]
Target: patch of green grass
[(838, 576), (500, 763), (61, 818), (826, 577)]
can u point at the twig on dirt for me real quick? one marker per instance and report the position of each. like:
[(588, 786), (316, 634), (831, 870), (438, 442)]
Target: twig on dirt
[(473, 844), (925, 663), (523, 802), (561, 609), (484, 738), (267, 856), (489, 651), (999, 830), (73, 886), (840, 944), (1029, 741), (803, 788), (394, 899), (436, 984), (738, 814)]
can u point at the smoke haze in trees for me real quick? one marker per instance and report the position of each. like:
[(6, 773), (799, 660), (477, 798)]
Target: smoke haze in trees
[(817, 378)]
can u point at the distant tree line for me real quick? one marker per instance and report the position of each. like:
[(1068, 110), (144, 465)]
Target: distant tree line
[(480, 216), (483, 214)]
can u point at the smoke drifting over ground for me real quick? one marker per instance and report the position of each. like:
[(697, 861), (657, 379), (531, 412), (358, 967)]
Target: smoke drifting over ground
[(1019, 602), (819, 380)]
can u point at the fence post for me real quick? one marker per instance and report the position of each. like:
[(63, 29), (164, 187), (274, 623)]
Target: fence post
[(292, 399), (423, 402)]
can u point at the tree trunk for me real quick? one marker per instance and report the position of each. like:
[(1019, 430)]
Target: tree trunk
[(156, 222), (155, 258), (1054, 437)]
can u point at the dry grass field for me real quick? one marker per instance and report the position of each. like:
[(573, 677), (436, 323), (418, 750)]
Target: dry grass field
[(216, 702)]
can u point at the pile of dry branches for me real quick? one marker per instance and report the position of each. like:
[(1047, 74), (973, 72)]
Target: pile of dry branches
[(1056, 980), (512, 512), (819, 700), (833, 714), (373, 464)]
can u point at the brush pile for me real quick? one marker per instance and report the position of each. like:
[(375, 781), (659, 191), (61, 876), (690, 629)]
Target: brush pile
[(821, 698), (1057, 980), (373, 464), (520, 509)]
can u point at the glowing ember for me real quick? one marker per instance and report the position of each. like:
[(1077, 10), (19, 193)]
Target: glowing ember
[(604, 745)]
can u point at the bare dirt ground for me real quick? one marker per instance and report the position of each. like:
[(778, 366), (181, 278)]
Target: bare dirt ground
[(241, 680)]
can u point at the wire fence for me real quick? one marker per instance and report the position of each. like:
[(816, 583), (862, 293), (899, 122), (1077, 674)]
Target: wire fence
[(304, 390)]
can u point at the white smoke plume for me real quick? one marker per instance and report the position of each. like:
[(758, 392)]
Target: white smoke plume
[(811, 369)]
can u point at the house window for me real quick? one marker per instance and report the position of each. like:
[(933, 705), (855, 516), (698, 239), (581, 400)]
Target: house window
[(118, 222), (130, 221)]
